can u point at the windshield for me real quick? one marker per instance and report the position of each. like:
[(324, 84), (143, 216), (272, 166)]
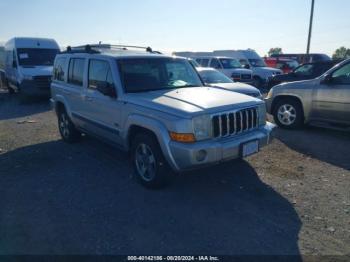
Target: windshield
[(228, 63), (214, 77), (257, 62), (292, 64), (36, 56), (149, 74)]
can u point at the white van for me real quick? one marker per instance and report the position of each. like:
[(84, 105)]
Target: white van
[(251, 60), (29, 64)]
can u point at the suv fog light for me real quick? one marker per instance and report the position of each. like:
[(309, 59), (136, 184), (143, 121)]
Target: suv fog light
[(201, 155)]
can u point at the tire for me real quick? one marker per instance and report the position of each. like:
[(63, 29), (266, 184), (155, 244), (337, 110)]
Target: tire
[(150, 167), (67, 129), (288, 114)]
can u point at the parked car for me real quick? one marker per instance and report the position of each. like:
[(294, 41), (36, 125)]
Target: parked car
[(304, 58), (325, 99), (155, 107), (28, 65), (284, 64), (251, 60), (228, 66), (302, 72), (214, 78)]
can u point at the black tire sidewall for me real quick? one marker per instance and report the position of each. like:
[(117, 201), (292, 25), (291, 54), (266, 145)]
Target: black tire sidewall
[(73, 132), (299, 114), (163, 171)]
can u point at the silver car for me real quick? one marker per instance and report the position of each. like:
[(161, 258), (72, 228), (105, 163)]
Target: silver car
[(324, 100), (214, 78), (156, 108)]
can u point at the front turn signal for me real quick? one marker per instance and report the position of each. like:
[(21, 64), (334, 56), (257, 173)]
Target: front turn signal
[(183, 138)]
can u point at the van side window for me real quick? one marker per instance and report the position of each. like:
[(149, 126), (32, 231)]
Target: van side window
[(76, 71), (214, 63), (99, 73), (58, 70)]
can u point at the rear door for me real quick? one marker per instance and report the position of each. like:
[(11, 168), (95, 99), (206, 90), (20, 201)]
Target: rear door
[(73, 90), (331, 100), (102, 112)]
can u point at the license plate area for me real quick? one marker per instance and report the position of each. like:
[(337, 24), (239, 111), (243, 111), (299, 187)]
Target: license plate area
[(250, 148)]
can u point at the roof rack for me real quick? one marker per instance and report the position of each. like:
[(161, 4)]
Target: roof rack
[(96, 48)]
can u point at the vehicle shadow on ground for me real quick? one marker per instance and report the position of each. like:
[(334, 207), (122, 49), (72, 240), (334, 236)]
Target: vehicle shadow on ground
[(326, 145), (81, 199), (11, 106)]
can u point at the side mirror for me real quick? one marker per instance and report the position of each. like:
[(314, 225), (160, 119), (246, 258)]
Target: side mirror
[(14, 64), (106, 89)]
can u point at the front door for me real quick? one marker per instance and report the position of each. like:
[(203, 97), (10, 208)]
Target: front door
[(102, 112), (331, 100)]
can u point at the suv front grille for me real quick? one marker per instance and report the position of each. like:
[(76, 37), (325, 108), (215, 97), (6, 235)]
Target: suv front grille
[(232, 123), (42, 82), (246, 76)]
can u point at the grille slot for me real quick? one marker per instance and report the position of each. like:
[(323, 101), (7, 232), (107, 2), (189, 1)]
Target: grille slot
[(232, 123), (42, 82)]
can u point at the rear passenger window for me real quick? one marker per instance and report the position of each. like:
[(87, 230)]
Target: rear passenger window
[(58, 70), (99, 73), (76, 71)]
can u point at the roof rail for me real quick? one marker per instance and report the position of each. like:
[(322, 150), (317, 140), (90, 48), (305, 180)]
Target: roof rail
[(94, 48), (81, 49)]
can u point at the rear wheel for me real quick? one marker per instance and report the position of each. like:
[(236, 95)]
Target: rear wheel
[(67, 129), (150, 166), (288, 114)]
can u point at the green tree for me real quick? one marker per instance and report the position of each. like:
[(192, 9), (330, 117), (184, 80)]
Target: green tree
[(341, 53), (275, 51)]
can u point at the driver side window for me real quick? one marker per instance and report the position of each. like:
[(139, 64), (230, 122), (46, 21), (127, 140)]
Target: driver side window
[(342, 75), (306, 70)]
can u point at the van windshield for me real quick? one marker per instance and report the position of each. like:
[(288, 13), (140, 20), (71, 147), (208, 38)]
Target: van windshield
[(150, 74), (257, 62), (36, 56)]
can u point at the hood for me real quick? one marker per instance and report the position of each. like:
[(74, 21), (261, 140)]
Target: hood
[(267, 70), (192, 101), (36, 70), (239, 87), (304, 84)]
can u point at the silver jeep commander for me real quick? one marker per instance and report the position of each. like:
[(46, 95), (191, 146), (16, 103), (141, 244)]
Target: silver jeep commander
[(155, 107)]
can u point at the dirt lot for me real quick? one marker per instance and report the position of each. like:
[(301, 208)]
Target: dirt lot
[(55, 198)]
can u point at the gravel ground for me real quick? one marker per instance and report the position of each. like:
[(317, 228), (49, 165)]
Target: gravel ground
[(292, 198)]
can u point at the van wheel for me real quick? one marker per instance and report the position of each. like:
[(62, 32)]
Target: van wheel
[(151, 168), (288, 114), (67, 129)]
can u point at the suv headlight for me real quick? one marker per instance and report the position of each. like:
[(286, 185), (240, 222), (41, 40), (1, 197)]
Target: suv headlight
[(202, 128), (262, 114)]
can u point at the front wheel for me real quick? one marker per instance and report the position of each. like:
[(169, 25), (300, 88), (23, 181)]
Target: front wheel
[(150, 166), (288, 114), (67, 129)]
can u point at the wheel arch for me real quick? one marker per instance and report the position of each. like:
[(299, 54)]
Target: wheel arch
[(285, 97), (139, 123)]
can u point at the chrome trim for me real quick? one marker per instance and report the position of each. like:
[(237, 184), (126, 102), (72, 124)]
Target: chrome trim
[(251, 122)]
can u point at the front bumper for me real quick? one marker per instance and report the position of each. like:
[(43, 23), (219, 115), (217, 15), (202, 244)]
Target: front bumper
[(32, 88), (184, 156)]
